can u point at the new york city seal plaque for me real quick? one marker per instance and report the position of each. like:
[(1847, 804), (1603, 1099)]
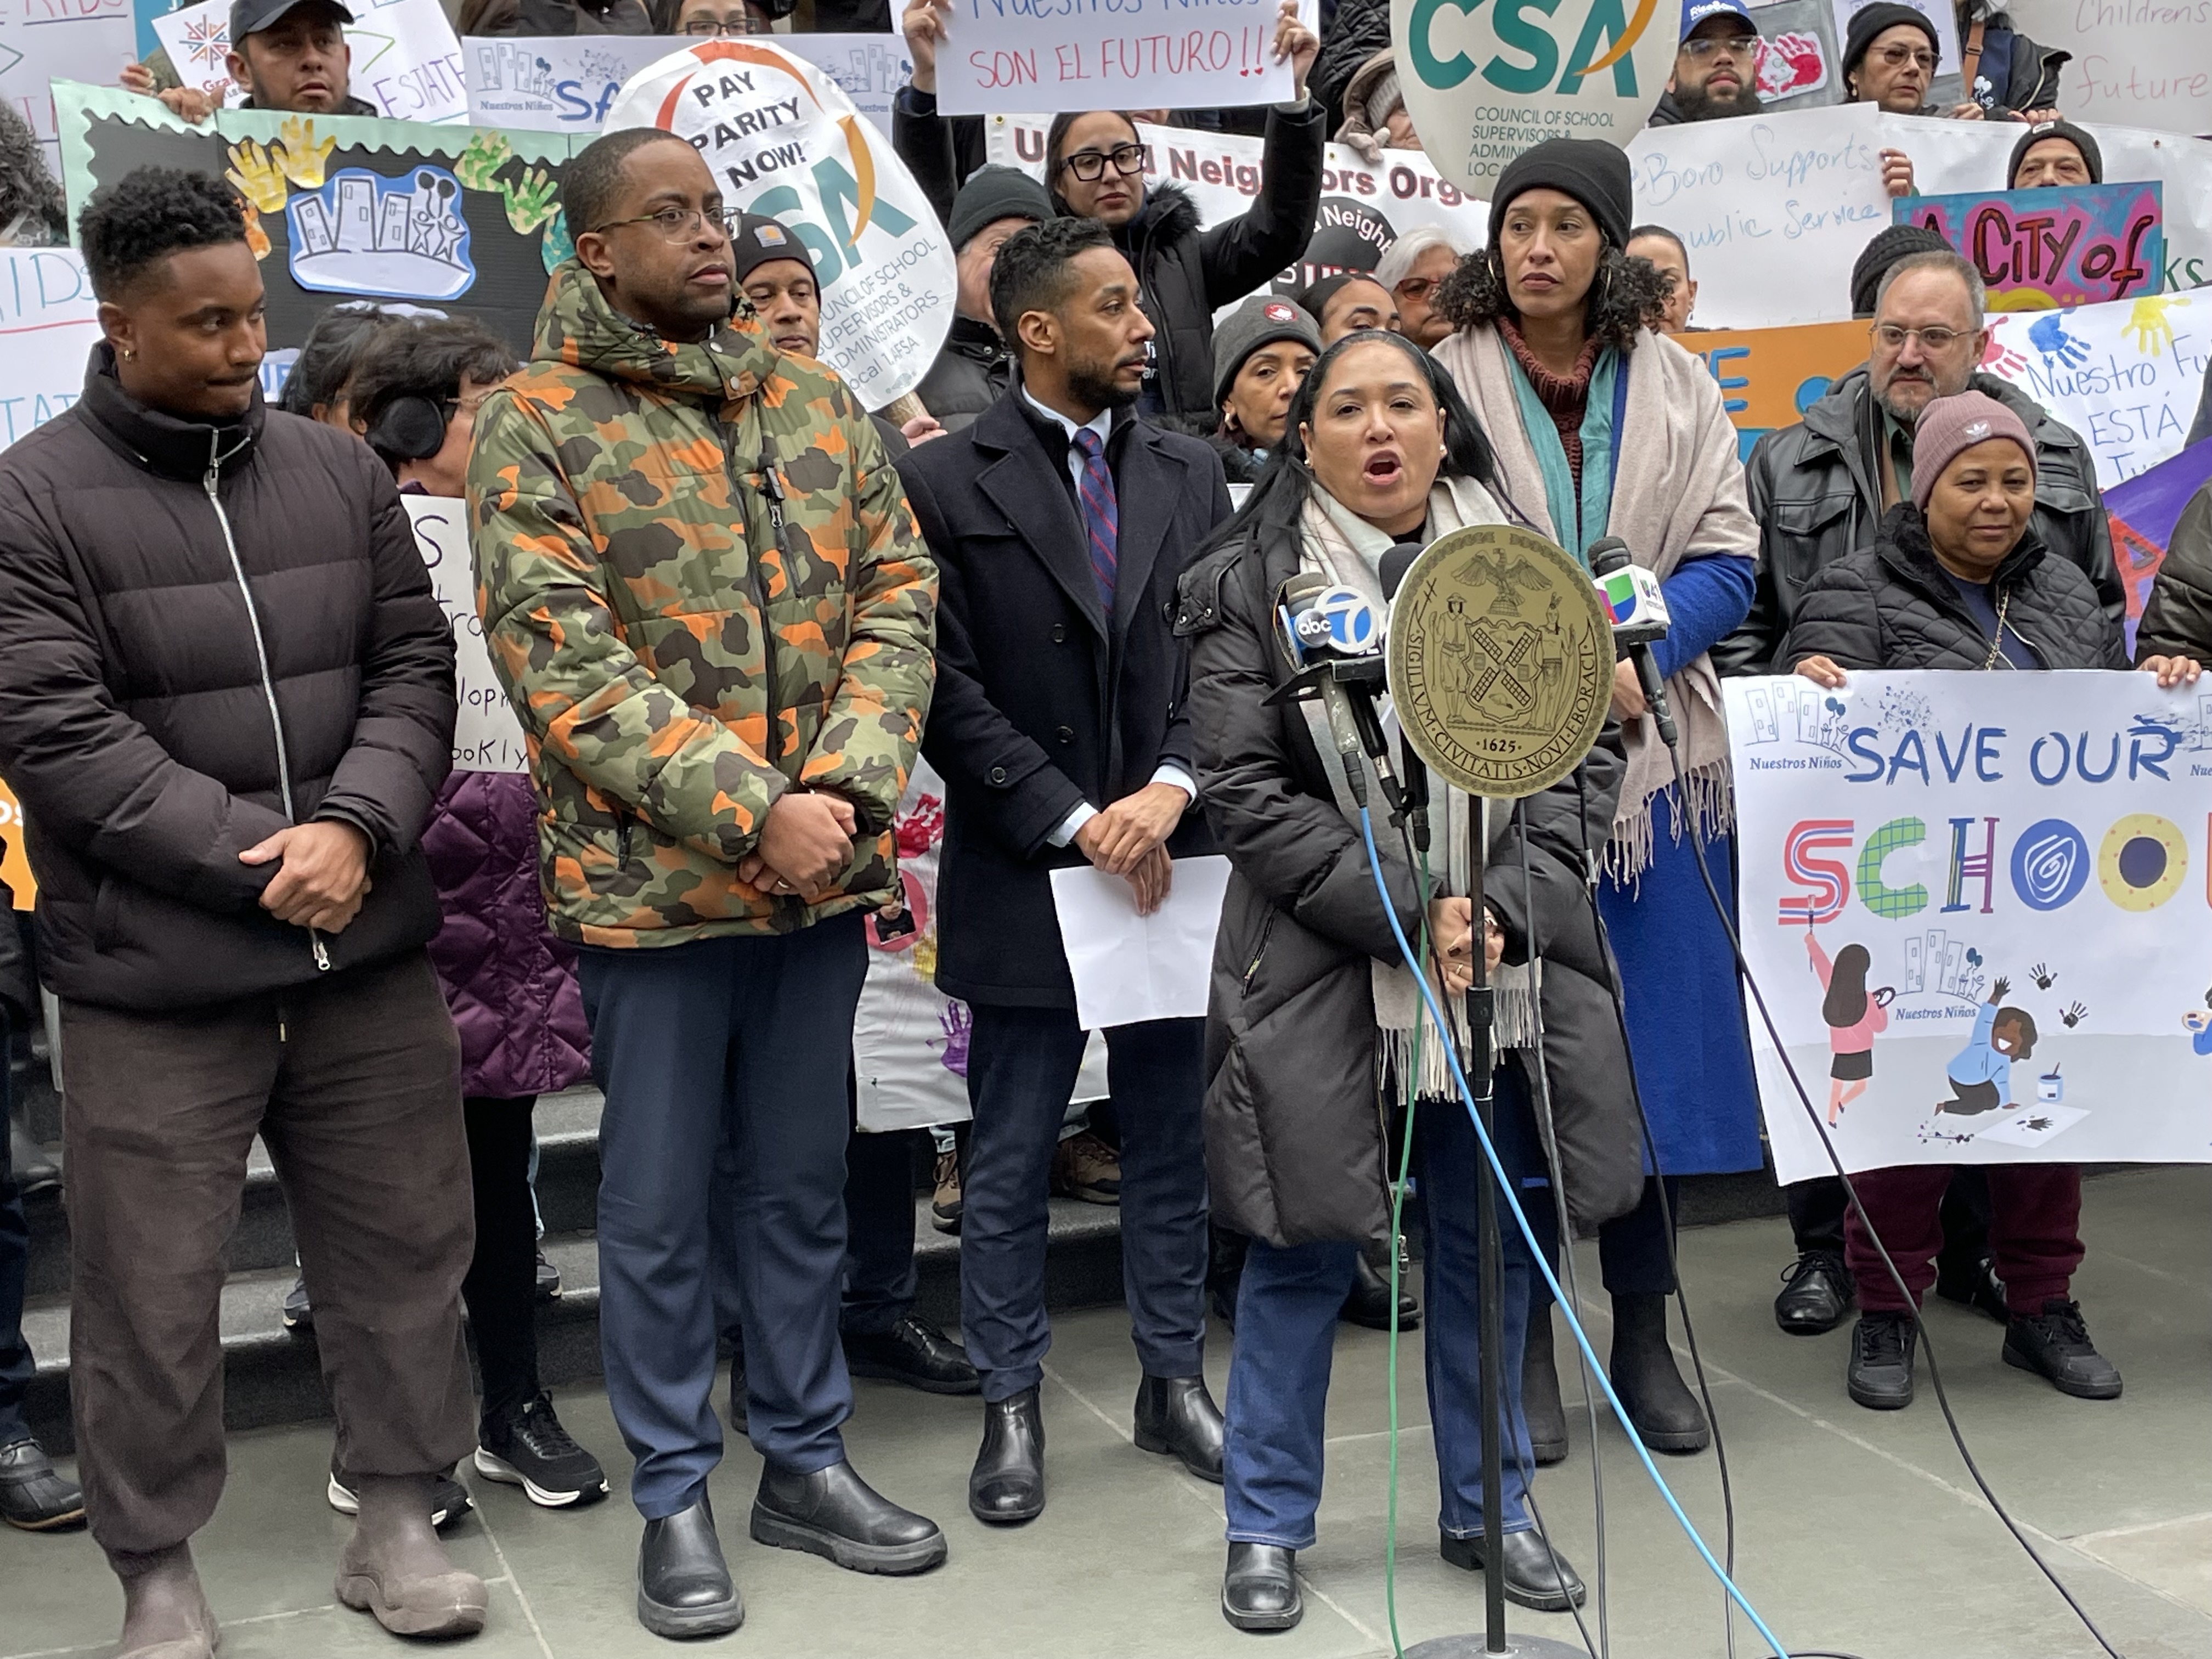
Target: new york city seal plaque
[(1500, 660)]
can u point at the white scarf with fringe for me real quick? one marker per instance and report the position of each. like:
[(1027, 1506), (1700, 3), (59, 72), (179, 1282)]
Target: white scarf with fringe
[(1336, 542)]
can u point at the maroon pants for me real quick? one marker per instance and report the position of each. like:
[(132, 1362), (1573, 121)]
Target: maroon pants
[(2035, 1231)]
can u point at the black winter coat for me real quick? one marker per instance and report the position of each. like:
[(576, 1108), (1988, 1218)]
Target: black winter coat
[(177, 600), (2177, 619), (1890, 606), (971, 373), (1294, 1137), (1816, 500), (1042, 701), (1359, 30)]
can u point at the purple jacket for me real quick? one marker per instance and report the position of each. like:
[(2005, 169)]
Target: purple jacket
[(510, 984)]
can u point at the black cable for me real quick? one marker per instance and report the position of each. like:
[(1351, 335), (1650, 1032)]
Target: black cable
[(1851, 1192)]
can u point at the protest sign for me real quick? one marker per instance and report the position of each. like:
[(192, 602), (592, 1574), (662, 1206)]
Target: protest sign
[(2146, 62), (42, 41), (406, 59), (2038, 250), (2126, 375), (1002, 54), (1956, 157), (1483, 82), (870, 68), (1799, 57), (909, 1039), (782, 139), (2002, 872), (1769, 377), (49, 323), (340, 206), (2142, 511), (1364, 207), (1773, 209), (553, 83), (487, 736)]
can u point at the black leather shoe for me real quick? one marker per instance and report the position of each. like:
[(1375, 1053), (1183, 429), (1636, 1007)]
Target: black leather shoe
[(1541, 1404), (1260, 1590), (834, 1513), (1177, 1418), (1879, 1374), (1974, 1285), (1666, 1413), (1816, 1294), (34, 1494), (2055, 1343), (684, 1585), (1007, 1486), (915, 1353), (1369, 1304), (1536, 1578), (35, 1169)]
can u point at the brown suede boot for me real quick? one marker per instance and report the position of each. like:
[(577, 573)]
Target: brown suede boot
[(165, 1615), (394, 1567)]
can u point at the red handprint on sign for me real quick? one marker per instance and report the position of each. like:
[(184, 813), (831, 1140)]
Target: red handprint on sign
[(921, 829), (1790, 63), (2000, 359)]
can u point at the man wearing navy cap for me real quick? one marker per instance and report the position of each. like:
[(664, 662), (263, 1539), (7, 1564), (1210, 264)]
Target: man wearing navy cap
[(290, 55), (1715, 67)]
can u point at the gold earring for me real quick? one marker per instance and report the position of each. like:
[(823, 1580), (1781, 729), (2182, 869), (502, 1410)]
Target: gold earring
[(129, 355)]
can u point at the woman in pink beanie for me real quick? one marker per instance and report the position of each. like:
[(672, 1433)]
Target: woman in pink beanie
[(1957, 579)]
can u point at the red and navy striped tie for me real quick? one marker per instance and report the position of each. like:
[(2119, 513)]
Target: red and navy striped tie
[(1102, 517)]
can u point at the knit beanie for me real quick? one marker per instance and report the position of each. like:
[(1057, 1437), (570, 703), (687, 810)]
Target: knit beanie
[(1871, 21), (1887, 248), (756, 241), (1593, 171), (1261, 320), (1949, 427), (2092, 157), (993, 193)]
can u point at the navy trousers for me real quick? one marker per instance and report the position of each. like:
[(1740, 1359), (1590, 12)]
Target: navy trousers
[(1021, 1065), (747, 1038), (1286, 1327)]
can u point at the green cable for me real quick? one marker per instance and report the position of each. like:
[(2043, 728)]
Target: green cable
[(1397, 1214)]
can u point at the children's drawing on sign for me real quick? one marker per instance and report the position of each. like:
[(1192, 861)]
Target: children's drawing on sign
[(1980, 1074), (363, 232), (2040, 249)]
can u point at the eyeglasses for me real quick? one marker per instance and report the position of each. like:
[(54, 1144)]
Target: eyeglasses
[(1089, 165), (1891, 337), (678, 224), (1416, 287), (1898, 57), (706, 28), (1739, 46)]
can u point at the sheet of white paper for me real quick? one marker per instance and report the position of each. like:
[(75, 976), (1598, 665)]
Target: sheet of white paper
[(1129, 967), (406, 59)]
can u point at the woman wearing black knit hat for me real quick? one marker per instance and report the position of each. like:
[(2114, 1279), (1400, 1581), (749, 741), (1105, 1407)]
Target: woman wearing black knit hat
[(1604, 426)]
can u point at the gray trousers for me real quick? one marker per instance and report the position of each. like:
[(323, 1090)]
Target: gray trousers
[(353, 1082)]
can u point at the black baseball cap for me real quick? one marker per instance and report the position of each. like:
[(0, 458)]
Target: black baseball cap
[(252, 17)]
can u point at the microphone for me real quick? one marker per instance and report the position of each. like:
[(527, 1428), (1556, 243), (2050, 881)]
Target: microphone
[(1331, 634), (1638, 613), (1394, 565)]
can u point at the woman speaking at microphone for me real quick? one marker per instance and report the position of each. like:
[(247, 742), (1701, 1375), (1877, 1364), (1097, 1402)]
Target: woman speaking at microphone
[(1314, 1014), (1603, 426)]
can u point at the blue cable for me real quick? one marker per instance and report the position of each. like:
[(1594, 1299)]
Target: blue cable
[(1513, 1203)]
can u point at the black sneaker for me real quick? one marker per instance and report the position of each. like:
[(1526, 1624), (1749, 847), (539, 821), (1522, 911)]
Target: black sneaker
[(449, 1499), (549, 1279), (526, 1446), (2057, 1343), (1880, 1373), (1975, 1286), (298, 1314), (1816, 1294)]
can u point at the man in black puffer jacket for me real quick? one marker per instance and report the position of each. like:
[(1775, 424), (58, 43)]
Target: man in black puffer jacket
[(226, 702)]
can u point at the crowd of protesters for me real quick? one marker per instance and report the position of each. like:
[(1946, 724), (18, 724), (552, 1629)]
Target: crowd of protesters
[(730, 606)]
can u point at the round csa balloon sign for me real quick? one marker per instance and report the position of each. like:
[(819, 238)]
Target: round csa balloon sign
[(782, 139), (1485, 80)]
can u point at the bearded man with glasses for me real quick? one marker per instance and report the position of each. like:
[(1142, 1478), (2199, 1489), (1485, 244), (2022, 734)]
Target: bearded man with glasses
[(703, 590), (1715, 67)]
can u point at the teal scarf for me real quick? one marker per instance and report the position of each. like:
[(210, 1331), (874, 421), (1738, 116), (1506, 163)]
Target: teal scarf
[(1575, 523)]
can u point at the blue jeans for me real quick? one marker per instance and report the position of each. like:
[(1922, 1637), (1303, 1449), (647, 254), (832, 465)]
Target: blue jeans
[(749, 1039), (1286, 1324), (1021, 1064)]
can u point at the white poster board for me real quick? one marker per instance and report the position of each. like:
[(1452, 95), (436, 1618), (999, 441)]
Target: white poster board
[(1773, 209), (782, 139), (42, 41), (406, 59), (1015, 54), (557, 83), (487, 736), (2148, 62), (870, 68), (49, 324), (1990, 843)]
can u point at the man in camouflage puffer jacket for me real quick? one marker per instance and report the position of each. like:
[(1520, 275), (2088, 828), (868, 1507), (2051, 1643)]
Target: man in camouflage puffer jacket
[(704, 592)]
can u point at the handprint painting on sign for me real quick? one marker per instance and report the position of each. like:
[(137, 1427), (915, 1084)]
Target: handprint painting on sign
[(2046, 250)]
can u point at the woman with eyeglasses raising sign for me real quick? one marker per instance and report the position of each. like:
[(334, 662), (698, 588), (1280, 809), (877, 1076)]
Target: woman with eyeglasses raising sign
[(1095, 168)]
